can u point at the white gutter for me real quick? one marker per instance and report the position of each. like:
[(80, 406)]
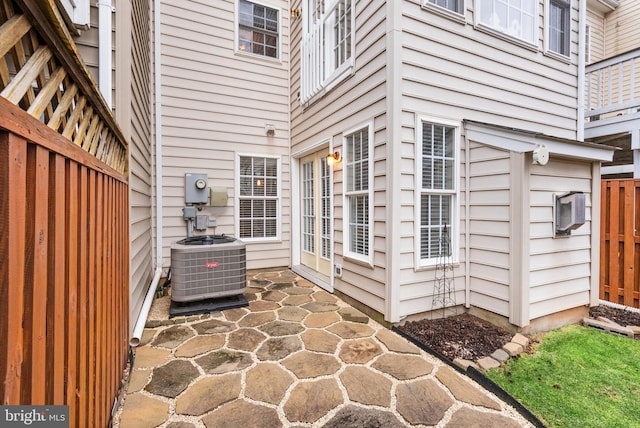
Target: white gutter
[(582, 23), (104, 49), (144, 312)]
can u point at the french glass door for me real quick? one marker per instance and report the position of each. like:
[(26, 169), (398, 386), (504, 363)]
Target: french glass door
[(315, 212)]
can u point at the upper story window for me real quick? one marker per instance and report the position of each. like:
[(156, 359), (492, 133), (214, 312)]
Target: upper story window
[(436, 207), (456, 6), (259, 197), (357, 170), (559, 26), (327, 45), (258, 29), (516, 18)]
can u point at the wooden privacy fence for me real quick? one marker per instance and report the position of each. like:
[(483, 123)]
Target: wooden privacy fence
[(620, 242), (64, 226)]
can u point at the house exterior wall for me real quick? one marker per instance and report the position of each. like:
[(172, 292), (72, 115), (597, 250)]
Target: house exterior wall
[(360, 100), (453, 70), (622, 29), (595, 21), (216, 102), (560, 268), (134, 113), (490, 246)]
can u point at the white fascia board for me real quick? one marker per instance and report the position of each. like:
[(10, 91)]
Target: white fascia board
[(522, 141)]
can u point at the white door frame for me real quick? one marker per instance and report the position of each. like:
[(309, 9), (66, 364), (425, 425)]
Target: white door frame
[(296, 229)]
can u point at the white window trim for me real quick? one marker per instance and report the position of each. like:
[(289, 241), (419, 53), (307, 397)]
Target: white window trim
[(348, 254), (276, 238), (447, 13), (421, 263), (506, 36), (547, 34), (237, 35), (340, 73)]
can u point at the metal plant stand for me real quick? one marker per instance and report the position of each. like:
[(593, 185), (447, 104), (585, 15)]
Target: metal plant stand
[(444, 293)]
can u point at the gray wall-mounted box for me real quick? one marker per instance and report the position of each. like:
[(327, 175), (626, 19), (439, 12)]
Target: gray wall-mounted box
[(570, 212), (196, 188)]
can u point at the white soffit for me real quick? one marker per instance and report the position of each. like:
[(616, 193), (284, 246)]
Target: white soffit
[(522, 141)]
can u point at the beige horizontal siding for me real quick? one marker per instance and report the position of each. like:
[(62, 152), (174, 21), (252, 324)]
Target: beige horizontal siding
[(560, 268), (459, 72), (215, 105), (622, 31), (489, 234)]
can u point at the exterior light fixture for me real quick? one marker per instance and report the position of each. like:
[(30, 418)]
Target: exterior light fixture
[(333, 158)]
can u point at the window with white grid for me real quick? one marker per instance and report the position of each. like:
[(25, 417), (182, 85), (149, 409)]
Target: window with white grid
[(559, 26), (308, 211), (325, 207), (357, 170), (516, 18), (258, 29), (259, 197), (327, 44), (438, 184), (456, 6)]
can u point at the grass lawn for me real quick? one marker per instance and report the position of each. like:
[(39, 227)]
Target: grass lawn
[(577, 377)]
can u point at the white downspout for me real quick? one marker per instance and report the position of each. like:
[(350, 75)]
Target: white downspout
[(582, 23), (467, 223), (144, 312), (104, 49)]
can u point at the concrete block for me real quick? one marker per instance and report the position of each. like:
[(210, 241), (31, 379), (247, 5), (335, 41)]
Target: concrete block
[(513, 349), (464, 364), (635, 329), (521, 340), (500, 355), (487, 363), (610, 328), (607, 320)]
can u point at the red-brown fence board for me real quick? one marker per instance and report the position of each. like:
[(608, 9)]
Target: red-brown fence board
[(64, 282), (620, 242)]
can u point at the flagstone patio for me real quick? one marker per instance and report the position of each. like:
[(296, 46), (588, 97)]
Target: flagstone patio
[(296, 356)]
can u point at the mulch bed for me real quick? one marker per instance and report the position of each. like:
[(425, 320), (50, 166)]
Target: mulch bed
[(471, 338)]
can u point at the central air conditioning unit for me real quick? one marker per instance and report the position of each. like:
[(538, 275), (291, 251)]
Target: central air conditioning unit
[(207, 267)]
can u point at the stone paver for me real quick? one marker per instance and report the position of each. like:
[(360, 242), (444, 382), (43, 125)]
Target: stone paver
[(309, 401), (353, 315), (422, 402), (403, 367), (240, 413), (320, 341), (141, 411), (224, 361), (513, 349), (208, 393), (500, 355), (395, 343), (296, 356), (199, 345), (278, 348), (257, 319), (173, 336), (355, 416), (359, 351), (246, 339), (151, 357), (462, 390), (366, 387), (350, 330), (487, 363), (321, 320), (470, 418), (307, 364), (213, 327), (267, 382), (292, 313), (172, 378)]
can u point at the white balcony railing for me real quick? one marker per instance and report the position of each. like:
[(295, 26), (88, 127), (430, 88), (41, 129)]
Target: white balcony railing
[(612, 87)]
